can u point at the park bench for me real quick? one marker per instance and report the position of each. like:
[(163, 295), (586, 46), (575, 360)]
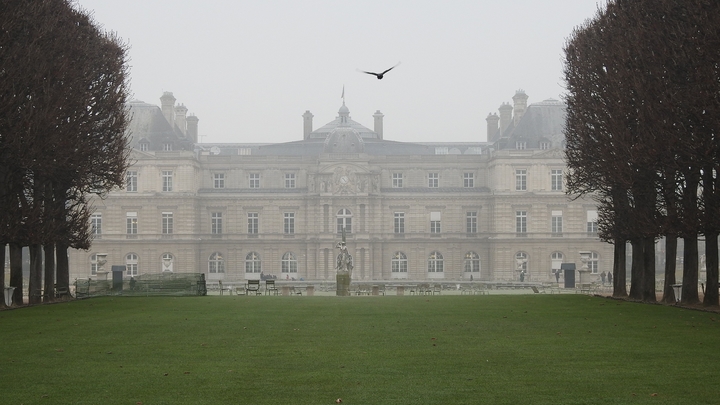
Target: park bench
[(584, 288)]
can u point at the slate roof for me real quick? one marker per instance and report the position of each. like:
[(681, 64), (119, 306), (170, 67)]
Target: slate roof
[(542, 122), (325, 130), (148, 124)]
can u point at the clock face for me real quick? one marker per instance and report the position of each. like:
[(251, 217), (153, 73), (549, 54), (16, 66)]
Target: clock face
[(344, 179)]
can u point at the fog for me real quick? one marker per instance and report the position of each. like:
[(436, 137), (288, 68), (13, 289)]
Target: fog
[(249, 69)]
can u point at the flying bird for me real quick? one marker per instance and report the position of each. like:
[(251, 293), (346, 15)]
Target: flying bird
[(379, 75)]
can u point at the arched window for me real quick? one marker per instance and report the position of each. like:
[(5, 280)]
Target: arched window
[(344, 220), (93, 265), (252, 263), (216, 263), (521, 261), (167, 262), (593, 262), (289, 263), (556, 259), (472, 262), (131, 264), (399, 263), (435, 262)]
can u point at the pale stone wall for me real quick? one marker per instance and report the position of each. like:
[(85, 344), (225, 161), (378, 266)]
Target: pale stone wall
[(319, 195)]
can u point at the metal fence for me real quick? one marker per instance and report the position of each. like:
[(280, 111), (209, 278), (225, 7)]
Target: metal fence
[(174, 284)]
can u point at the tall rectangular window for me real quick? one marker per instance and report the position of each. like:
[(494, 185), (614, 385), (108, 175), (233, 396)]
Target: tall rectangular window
[(252, 222), (131, 178), (556, 223), (167, 147), (521, 179), (167, 223), (144, 147), (399, 222), (521, 222), (96, 224), (520, 145), (435, 222), (592, 221), (289, 223), (556, 180), (254, 180), (216, 223), (167, 180), (219, 180), (131, 222), (289, 180), (469, 180), (471, 222), (433, 180), (344, 221), (397, 180)]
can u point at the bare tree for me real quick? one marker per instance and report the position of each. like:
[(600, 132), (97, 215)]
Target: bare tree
[(62, 127)]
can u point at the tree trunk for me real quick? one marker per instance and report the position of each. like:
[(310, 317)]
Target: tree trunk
[(637, 270), (690, 270), (619, 272), (49, 285), (648, 278), (16, 273), (711, 270), (35, 278), (2, 275), (670, 266), (63, 267)]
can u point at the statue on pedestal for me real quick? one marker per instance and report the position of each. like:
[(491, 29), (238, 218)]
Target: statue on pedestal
[(344, 266)]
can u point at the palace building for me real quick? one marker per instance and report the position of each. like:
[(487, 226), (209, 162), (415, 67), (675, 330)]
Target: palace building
[(419, 211)]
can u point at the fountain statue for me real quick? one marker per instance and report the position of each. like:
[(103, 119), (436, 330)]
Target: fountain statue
[(344, 266)]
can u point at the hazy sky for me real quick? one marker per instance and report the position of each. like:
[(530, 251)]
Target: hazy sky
[(249, 69)]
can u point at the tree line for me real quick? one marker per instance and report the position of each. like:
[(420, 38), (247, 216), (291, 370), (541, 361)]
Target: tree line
[(643, 119), (63, 120)]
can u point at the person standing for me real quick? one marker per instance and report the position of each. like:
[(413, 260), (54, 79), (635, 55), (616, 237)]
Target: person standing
[(609, 277), (602, 276)]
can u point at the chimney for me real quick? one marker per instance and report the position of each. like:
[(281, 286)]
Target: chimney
[(505, 117), (167, 102), (307, 124), (492, 127), (520, 101), (192, 128), (379, 123), (180, 121)]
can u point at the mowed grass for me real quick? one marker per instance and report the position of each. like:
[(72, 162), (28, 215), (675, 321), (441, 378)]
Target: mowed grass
[(529, 349)]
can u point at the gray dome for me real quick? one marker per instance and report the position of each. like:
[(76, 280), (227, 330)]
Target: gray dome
[(344, 139)]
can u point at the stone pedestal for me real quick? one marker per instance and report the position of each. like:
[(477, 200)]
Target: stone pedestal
[(310, 290), (343, 283)]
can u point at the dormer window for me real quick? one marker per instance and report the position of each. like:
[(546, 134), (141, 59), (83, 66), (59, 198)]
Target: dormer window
[(167, 147), (144, 146), (544, 145), (520, 145)]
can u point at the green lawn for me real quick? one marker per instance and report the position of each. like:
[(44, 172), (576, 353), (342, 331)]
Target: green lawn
[(527, 349)]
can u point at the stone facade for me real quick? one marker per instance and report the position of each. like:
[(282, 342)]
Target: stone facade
[(440, 211)]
